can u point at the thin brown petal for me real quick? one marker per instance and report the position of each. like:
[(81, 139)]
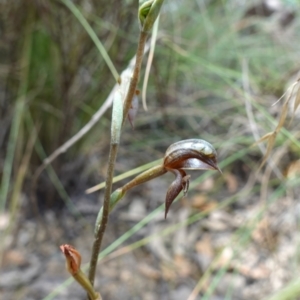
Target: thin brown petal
[(263, 138)]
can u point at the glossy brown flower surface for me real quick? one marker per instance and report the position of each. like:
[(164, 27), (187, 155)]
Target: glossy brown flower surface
[(191, 154)]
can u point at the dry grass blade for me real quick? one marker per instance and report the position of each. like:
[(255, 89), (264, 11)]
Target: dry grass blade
[(271, 136), (297, 100), (290, 88), (263, 138), (85, 129), (271, 141), (95, 118), (282, 116)]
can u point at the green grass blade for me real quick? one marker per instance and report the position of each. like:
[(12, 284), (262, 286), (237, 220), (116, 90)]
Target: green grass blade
[(76, 12)]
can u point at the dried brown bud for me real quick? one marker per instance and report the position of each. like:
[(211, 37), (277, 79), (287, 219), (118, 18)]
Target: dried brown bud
[(73, 258)]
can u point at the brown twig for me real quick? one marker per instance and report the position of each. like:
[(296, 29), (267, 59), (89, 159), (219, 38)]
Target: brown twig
[(95, 118)]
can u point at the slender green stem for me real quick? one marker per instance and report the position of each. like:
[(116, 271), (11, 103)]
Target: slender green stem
[(113, 199), (81, 278), (152, 12), (119, 193), (116, 126), (106, 204), (100, 230), (112, 158), (144, 177), (136, 73), (124, 175)]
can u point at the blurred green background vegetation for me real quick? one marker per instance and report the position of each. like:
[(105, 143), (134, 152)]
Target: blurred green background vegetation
[(218, 68), (54, 78), (213, 60)]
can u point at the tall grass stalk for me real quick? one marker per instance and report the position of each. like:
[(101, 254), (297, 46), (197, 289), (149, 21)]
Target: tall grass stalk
[(76, 12), (18, 113)]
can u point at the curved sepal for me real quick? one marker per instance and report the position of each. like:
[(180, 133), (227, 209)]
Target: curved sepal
[(180, 183)]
